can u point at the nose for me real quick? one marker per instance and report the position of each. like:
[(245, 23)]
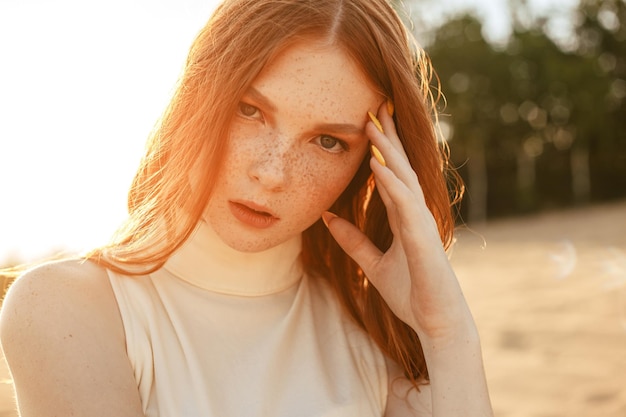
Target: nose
[(271, 167)]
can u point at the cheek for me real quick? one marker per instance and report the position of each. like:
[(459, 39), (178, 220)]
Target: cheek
[(322, 184), (237, 154)]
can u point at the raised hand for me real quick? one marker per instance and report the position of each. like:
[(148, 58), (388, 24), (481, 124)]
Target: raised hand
[(413, 275)]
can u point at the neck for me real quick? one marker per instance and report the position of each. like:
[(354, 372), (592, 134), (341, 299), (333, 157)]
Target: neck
[(205, 261)]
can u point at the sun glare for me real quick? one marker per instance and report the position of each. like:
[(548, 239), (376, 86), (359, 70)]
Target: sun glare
[(81, 85)]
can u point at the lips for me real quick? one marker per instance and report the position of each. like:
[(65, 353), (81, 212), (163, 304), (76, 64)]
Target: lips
[(252, 214)]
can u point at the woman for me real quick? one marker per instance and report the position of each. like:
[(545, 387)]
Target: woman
[(269, 264)]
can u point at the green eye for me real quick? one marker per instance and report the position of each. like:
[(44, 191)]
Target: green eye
[(331, 144), (328, 142)]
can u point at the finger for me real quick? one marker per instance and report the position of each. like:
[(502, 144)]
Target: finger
[(389, 129), (385, 130), (375, 166), (402, 172), (384, 195), (389, 126), (393, 155), (408, 207), (354, 242)]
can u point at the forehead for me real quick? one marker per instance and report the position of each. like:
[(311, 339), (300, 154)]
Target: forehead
[(320, 77)]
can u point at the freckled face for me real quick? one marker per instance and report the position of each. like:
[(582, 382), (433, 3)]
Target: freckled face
[(295, 144)]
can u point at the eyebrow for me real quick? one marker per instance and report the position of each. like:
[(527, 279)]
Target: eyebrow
[(342, 128), (259, 97)]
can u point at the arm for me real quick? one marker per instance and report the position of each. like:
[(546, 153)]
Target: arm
[(64, 343), (424, 292), (457, 387)]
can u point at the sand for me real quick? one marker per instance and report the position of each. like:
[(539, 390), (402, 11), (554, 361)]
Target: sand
[(549, 296)]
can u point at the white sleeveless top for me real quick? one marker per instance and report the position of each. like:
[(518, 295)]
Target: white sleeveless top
[(217, 332)]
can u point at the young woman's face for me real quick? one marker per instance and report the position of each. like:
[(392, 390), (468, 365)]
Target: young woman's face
[(295, 144)]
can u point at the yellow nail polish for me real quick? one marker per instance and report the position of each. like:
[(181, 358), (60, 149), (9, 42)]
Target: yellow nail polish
[(378, 155), (375, 121), (390, 108)]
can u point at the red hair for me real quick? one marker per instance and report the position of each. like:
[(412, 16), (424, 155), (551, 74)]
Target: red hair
[(239, 40)]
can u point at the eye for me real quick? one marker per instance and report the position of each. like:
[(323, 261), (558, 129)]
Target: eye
[(331, 144), (249, 111)]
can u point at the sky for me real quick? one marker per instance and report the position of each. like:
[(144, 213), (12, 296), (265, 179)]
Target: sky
[(81, 85)]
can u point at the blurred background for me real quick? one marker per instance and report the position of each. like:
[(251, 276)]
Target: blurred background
[(534, 115)]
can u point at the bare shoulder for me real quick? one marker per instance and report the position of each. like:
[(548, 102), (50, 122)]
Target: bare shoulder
[(57, 294), (63, 339)]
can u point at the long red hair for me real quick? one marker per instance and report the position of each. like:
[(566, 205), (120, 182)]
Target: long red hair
[(238, 41)]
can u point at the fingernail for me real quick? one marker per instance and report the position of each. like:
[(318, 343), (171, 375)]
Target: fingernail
[(390, 107), (327, 216), (378, 155), (375, 121)]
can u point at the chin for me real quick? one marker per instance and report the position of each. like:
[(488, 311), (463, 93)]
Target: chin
[(250, 246), (247, 241)]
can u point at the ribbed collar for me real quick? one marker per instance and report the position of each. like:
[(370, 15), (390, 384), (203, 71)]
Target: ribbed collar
[(207, 262)]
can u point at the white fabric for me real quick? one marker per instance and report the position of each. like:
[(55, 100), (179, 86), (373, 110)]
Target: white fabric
[(222, 333)]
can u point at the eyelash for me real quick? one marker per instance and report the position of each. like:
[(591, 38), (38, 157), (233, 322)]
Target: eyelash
[(343, 146)]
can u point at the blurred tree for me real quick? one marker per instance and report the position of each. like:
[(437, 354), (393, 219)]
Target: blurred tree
[(469, 71), (601, 40), (533, 125), (553, 106)]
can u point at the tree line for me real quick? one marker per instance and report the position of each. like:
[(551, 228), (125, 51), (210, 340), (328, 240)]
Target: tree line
[(535, 124)]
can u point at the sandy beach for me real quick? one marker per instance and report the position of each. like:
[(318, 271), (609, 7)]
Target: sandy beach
[(548, 293)]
